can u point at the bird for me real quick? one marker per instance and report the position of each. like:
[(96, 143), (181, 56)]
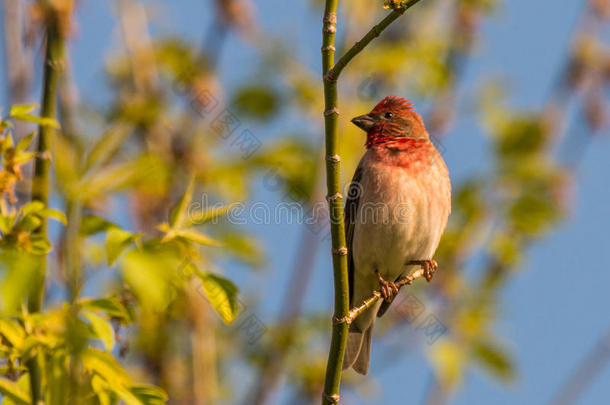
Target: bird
[(397, 207)]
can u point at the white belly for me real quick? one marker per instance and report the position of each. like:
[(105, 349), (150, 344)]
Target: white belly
[(401, 217)]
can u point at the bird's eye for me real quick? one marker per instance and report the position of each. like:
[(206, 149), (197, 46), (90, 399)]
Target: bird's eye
[(388, 115)]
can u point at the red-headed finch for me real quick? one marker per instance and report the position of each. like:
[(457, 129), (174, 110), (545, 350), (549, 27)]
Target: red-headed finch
[(396, 211)]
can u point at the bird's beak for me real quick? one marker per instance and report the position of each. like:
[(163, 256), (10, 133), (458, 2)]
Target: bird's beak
[(365, 122)]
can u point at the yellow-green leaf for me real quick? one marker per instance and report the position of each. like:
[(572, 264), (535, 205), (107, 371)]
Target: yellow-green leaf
[(92, 224), (43, 121), (149, 394), (150, 276), (13, 392), (24, 143), (101, 328), (222, 295), (448, 360), (208, 215), (12, 331), (22, 109), (117, 240), (102, 363), (102, 390), (19, 272), (55, 214), (39, 245), (179, 212), (32, 207), (196, 236), (110, 306), (106, 146), (126, 396), (493, 359)]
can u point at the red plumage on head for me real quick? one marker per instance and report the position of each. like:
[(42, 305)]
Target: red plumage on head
[(410, 125), (397, 105)]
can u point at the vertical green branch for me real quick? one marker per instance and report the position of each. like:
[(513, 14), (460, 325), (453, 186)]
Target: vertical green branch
[(53, 64), (331, 74), (335, 201)]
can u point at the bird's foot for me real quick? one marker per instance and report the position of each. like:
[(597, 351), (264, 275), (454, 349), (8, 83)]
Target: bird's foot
[(429, 267), (388, 288)]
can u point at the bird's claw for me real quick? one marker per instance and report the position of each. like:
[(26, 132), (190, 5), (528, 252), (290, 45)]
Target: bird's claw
[(388, 288), (428, 266)]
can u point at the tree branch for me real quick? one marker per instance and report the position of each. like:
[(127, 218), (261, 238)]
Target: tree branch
[(376, 296), (56, 31), (332, 379), (333, 74), (339, 336)]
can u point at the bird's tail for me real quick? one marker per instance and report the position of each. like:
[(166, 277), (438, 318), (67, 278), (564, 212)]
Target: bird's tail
[(358, 350)]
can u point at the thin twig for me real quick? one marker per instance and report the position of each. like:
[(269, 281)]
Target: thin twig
[(584, 374), (333, 74), (376, 296)]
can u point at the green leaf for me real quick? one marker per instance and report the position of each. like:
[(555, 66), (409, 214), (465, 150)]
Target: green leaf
[(54, 214), (23, 157), (33, 207), (23, 144), (20, 270), (102, 390), (533, 214), (102, 363), (209, 214), (179, 212), (6, 223), (448, 360), (12, 331), (42, 121), (117, 240), (127, 396), (12, 391), (150, 276), (92, 224), (256, 101), (7, 142), (110, 306), (39, 245), (101, 328), (193, 236), (494, 359), (29, 223), (521, 136), (106, 146), (22, 109), (245, 247), (114, 178), (148, 394), (221, 293)]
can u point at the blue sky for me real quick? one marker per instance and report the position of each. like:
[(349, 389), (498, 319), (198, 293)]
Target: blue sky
[(555, 309)]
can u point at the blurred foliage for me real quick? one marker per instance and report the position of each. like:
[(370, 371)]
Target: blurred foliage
[(140, 307)]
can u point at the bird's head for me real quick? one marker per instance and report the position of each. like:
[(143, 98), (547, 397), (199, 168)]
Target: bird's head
[(391, 120)]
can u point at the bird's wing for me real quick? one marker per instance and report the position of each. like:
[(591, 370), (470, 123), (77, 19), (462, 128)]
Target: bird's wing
[(351, 208)]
